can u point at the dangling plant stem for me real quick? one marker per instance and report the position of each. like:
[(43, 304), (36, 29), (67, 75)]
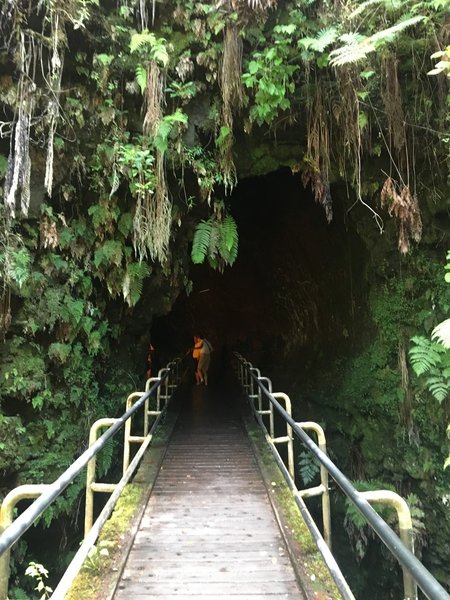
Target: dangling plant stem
[(55, 71), (232, 100), (19, 162), (153, 99)]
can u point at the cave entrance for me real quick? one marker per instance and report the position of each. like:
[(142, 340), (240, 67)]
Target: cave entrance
[(296, 284)]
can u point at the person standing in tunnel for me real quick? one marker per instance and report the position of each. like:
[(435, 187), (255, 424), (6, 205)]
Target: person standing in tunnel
[(196, 357), (205, 348)]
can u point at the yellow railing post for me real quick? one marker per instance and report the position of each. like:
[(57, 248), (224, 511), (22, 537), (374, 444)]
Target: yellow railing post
[(288, 438), (23, 492), (90, 475), (127, 430), (406, 530), (326, 511)]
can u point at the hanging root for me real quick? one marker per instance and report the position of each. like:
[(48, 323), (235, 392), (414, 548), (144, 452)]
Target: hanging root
[(153, 99), (153, 218), (317, 163), (393, 102), (230, 76), (232, 99)]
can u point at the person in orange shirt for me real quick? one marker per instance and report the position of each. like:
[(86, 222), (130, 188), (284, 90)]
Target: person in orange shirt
[(202, 349)]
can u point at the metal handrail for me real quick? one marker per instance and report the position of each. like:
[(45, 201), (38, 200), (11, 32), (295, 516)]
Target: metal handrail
[(14, 531), (424, 579)]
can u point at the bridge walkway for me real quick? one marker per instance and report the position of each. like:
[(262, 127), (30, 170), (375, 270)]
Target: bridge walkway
[(208, 529)]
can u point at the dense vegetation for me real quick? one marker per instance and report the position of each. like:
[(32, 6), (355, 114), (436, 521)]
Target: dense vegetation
[(125, 127)]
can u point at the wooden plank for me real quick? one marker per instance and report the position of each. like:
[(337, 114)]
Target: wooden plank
[(204, 588)]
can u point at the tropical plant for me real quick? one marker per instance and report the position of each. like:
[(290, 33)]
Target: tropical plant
[(39, 573), (216, 240), (308, 467), (431, 359)]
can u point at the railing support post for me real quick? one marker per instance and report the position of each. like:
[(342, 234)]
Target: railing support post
[(405, 527), (23, 492), (288, 439), (326, 511), (90, 475)]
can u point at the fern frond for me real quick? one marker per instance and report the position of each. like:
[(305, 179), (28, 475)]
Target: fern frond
[(200, 243), (133, 282), (354, 52), (439, 388), (229, 232), (214, 240), (115, 181), (425, 355), (138, 40), (442, 333), (141, 77), (325, 38), (363, 6), (228, 241)]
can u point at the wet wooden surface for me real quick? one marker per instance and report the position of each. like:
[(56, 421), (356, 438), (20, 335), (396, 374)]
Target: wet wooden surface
[(208, 530)]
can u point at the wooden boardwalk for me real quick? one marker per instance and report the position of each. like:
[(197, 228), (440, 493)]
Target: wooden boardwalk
[(208, 530)]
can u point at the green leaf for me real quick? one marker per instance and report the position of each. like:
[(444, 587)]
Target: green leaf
[(140, 40), (141, 77), (253, 67), (424, 355), (367, 74), (362, 120), (224, 133), (104, 59), (325, 38), (442, 333), (439, 388), (200, 243)]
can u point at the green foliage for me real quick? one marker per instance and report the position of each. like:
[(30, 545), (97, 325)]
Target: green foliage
[(96, 554), (59, 352), (325, 38), (183, 91), (141, 77), (136, 163), (217, 241), (360, 47), (39, 573), (148, 46), (110, 252), (270, 78), (165, 128), (425, 355), (15, 260), (308, 467), (133, 282), (431, 359)]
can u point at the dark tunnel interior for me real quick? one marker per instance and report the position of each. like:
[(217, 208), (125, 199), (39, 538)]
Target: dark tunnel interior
[(298, 281)]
